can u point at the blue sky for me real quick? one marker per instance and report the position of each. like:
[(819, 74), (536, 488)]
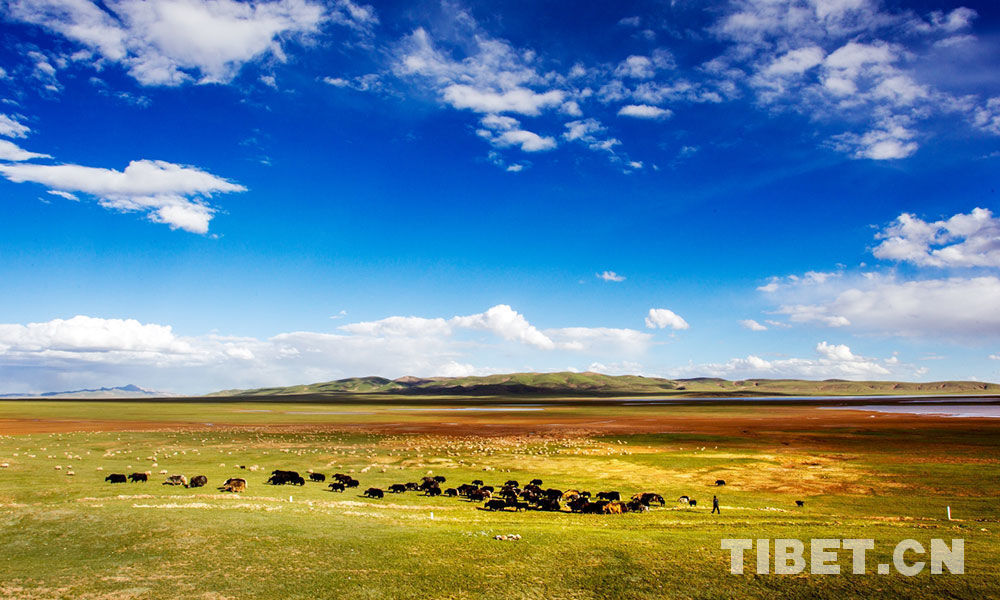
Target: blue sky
[(208, 194)]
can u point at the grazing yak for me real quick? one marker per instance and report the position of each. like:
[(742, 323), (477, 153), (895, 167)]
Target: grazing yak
[(279, 477), (635, 505), (337, 487), (176, 480), (397, 488), (317, 477), (692, 502), (136, 477), (548, 504), (198, 481), (512, 483), (477, 482), (578, 504), (569, 495), (434, 491), (509, 492), (479, 495), (352, 483), (610, 496), (536, 482), (800, 503), (440, 478), (495, 504), (614, 508), (235, 485), (552, 494), (648, 498), (374, 493), (720, 482), (412, 486), (451, 492), (116, 478)]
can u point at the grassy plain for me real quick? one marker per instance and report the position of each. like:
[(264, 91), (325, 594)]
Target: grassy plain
[(885, 477)]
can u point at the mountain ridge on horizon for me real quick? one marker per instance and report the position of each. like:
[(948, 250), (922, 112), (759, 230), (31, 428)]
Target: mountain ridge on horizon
[(566, 383), (124, 391)]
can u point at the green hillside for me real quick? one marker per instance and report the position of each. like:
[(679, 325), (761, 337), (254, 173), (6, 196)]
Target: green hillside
[(568, 384)]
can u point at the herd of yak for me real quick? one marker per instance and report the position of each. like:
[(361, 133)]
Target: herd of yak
[(511, 495)]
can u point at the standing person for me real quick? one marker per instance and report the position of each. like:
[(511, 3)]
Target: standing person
[(715, 505)]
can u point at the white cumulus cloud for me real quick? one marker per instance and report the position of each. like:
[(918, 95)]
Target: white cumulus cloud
[(610, 276), (662, 318), (644, 111), (962, 240), (165, 192), (752, 325)]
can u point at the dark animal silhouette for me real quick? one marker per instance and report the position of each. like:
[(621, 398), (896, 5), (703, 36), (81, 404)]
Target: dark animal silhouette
[(536, 482), (800, 503), (550, 504), (279, 477), (648, 498), (553, 494), (235, 484), (616, 496), (116, 478), (479, 495), (477, 482), (337, 487), (136, 477), (720, 482), (451, 492), (512, 483), (434, 491), (440, 478), (317, 477), (374, 493), (198, 481), (397, 488), (495, 505)]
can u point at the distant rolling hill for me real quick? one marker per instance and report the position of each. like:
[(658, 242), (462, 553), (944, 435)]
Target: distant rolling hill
[(125, 391), (567, 384)]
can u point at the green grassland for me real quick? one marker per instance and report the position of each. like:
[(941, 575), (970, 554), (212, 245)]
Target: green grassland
[(568, 384), (75, 536)]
